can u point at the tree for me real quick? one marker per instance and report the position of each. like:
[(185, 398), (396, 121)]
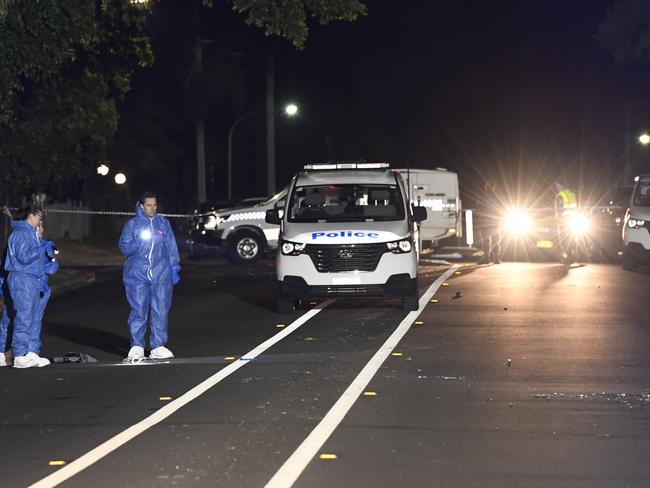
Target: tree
[(63, 66), (288, 18), (625, 32)]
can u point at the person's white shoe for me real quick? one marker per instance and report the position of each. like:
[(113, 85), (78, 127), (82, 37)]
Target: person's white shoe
[(22, 362), (135, 353), (161, 353), (41, 361)]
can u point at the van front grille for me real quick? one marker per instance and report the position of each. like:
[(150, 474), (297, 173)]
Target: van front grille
[(345, 257)]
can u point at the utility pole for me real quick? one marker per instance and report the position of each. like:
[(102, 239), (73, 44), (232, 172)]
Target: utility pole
[(270, 123), (200, 124)]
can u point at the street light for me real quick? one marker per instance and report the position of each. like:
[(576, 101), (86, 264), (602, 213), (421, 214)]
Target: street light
[(290, 110), (102, 169), (644, 139), (120, 178)]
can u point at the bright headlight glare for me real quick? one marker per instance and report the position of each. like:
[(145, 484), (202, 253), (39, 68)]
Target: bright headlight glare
[(211, 222), (517, 221), (635, 223), (579, 224)]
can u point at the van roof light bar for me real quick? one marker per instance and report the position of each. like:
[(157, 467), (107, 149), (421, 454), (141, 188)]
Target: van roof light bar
[(330, 166)]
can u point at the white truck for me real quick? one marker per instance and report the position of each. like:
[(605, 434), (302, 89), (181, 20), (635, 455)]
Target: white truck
[(437, 191)]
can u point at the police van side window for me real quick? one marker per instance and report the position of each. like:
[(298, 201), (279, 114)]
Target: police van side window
[(346, 203)]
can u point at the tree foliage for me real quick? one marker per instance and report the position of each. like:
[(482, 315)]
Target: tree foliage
[(288, 18), (625, 32), (63, 66)]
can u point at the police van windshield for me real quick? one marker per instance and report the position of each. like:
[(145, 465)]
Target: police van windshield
[(346, 203), (642, 194)]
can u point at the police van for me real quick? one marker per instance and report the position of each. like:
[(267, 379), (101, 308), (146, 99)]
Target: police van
[(347, 230)]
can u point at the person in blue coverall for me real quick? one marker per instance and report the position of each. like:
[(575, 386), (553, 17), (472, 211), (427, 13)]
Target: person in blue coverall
[(152, 268), (25, 266), (5, 353)]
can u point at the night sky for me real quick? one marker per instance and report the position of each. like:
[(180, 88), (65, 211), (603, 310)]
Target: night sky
[(517, 91)]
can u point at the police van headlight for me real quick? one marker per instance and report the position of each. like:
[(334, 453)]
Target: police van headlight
[(635, 223), (400, 247), (289, 248)]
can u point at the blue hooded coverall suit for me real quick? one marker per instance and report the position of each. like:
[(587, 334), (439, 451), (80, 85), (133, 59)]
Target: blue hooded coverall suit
[(152, 257), (50, 266), (26, 267)]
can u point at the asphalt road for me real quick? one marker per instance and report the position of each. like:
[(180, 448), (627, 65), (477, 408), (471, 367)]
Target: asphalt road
[(518, 375)]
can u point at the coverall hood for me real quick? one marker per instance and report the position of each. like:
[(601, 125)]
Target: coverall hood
[(150, 248)]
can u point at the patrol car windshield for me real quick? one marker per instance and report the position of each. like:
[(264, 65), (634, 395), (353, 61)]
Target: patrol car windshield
[(642, 195), (346, 203)]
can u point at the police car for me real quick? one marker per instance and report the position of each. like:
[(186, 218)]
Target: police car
[(347, 230), (241, 231)]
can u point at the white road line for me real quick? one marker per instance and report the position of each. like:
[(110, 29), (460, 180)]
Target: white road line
[(125, 436), (287, 475)]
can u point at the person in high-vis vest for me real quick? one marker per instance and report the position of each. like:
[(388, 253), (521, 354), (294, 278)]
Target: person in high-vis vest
[(566, 208)]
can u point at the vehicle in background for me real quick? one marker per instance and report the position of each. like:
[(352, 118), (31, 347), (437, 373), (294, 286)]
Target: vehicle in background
[(636, 225), (347, 230), (608, 217), (437, 191), (240, 232), (533, 234)]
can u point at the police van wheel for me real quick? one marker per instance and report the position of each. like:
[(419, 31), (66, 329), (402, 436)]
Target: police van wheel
[(246, 247), (284, 306), (409, 304)]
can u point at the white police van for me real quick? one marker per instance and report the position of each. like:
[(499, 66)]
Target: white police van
[(347, 230), (636, 226), (437, 190)]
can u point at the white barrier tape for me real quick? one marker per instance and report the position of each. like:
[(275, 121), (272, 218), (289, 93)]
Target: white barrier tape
[(106, 212)]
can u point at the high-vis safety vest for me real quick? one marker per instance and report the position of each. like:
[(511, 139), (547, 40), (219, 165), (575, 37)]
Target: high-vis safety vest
[(566, 202)]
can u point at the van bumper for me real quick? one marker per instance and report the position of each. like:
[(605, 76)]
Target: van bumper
[(294, 288)]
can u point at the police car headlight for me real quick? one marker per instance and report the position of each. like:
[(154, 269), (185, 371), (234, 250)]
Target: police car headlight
[(211, 222), (579, 224), (517, 221), (400, 247), (635, 223), (292, 248)]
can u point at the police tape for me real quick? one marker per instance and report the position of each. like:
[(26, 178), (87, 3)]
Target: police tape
[(108, 212), (111, 212)]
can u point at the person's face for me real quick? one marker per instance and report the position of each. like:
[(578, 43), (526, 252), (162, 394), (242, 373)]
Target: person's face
[(150, 206), (35, 220)]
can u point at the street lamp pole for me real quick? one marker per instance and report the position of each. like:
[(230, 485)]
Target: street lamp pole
[(291, 110)]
